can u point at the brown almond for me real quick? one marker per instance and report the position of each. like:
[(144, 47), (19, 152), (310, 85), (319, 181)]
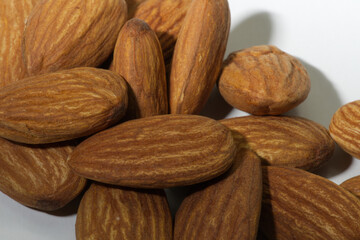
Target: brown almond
[(301, 205), (138, 58), (13, 15), (132, 6), (263, 80), (38, 175), (108, 212), (230, 204), (285, 140), (63, 34), (156, 152), (345, 130), (198, 55), (63, 105), (352, 185)]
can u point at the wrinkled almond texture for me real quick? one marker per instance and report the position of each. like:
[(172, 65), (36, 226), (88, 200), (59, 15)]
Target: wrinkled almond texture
[(345, 130), (60, 106), (156, 152), (301, 205), (263, 80), (108, 212), (138, 58), (284, 140), (38, 175), (62, 34), (352, 185), (198, 55)]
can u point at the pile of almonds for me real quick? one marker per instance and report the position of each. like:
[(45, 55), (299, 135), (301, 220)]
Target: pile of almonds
[(101, 100)]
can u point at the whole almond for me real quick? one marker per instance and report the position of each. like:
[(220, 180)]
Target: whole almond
[(301, 205), (352, 185), (63, 34), (285, 140), (344, 128), (156, 152), (263, 80), (63, 105), (38, 175), (230, 204), (108, 212), (198, 55), (138, 58), (13, 15)]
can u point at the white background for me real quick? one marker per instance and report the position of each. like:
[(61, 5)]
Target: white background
[(324, 35)]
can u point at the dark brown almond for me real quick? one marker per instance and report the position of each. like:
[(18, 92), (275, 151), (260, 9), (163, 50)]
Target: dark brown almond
[(301, 205), (108, 212), (63, 105), (352, 185), (38, 175), (138, 58), (285, 141), (156, 152)]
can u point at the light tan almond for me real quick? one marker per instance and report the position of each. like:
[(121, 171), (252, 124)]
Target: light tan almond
[(352, 185), (108, 212)]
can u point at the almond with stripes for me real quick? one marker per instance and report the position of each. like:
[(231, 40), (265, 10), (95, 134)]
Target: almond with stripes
[(263, 80), (285, 140), (109, 212), (300, 205), (156, 152), (61, 106), (352, 185), (345, 130), (230, 204), (62, 34), (38, 175)]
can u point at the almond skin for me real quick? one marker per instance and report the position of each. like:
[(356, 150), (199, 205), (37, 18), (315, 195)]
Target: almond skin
[(198, 55), (138, 58), (263, 80), (61, 106), (13, 15), (352, 185), (301, 205), (108, 212), (230, 204), (63, 34), (132, 6), (38, 176), (156, 152), (285, 140), (345, 130)]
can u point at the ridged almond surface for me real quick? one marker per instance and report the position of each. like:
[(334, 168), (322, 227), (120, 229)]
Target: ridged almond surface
[(263, 80), (227, 207), (301, 205), (60, 106), (138, 58), (62, 34), (38, 175), (345, 129), (165, 17), (13, 15), (112, 213), (156, 152), (198, 55), (285, 140), (352, 185)]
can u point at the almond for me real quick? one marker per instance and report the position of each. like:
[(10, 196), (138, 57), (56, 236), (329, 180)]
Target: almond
[(132, 6), (156, 152), (263, 80), (13, 15), (285, 140), (60, 106), (352, 185), (138, 58), (38, 175), (344, 128), (108, 212), (301, 205), (63, 34), (230, 204), (198, 55)]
